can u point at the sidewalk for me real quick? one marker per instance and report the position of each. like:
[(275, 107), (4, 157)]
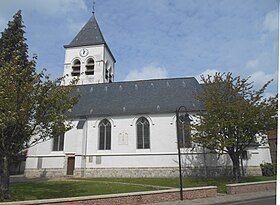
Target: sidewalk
[(222, 199)]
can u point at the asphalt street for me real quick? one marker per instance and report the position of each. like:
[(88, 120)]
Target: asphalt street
[(264, 201)]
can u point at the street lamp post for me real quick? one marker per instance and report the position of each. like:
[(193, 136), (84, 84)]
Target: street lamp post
[(186, 118)]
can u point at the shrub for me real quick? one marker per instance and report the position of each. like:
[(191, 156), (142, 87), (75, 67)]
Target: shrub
[(274, 168), (268, 169)]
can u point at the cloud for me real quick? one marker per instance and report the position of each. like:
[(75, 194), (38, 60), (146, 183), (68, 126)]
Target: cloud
[(270, 22), (147, 72), (252, 64), (210, 72), (2, 23), (260, 78), (45, 12), (50, 7), (268, 95), (74, 25)]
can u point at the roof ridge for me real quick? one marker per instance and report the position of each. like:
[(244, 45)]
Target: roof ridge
[(132, 81)]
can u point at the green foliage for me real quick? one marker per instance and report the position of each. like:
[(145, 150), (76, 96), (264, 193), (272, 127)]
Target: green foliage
[(12, 42), (32, 106), (234, 115), (269, 169)]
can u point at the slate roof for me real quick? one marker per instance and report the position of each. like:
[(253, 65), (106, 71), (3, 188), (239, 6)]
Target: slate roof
[(89, 35), (136, 97)]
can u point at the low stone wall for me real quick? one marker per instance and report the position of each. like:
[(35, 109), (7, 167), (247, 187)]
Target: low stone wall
[(130, 198), (251, 187)]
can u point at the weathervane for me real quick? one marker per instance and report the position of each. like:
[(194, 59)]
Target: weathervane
[(93, 6)]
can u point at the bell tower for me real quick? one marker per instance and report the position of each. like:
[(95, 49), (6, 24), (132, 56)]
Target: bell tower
[(88, 56)]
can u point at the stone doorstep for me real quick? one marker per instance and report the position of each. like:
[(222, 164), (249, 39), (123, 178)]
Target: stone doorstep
[(107, 196), (251, 183)]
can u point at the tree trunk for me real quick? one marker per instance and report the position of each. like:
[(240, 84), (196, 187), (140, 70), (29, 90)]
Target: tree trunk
[(4, 180), (236, 168)]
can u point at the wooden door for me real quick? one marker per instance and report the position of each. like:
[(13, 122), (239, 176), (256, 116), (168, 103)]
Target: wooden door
[(70, 165)]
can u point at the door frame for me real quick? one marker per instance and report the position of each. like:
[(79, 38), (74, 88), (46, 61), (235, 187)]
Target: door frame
[(68, 157)]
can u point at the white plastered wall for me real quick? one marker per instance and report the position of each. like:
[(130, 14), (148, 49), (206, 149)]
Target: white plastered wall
[(123, 153), (98, 53)]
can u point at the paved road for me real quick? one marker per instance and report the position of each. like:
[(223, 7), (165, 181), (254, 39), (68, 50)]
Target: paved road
[(265, 201), (253, 198)]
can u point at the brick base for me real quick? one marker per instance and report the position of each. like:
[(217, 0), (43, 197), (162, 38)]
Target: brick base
[(251, 187), (131, 198)]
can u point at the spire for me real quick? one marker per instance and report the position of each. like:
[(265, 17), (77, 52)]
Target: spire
[(89, 35)]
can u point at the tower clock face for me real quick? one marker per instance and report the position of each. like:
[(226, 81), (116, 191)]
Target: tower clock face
[(83, 52)]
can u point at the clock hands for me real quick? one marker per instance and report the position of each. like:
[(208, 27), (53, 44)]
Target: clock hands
[(83, 52)]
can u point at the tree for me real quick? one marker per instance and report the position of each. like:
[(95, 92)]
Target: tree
[(32, 106), (234, 115)]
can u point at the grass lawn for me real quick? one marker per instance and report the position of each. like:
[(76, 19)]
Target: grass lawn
[(187, 182), (69, 188), (98, 186)]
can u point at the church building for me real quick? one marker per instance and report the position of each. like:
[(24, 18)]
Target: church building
[(127, 129)]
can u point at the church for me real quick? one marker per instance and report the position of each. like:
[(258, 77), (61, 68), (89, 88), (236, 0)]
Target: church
[(127, 129)]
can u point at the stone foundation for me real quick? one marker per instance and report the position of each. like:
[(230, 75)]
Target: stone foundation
[(253, 171), (47, 173), (149, 172), (157, 172)]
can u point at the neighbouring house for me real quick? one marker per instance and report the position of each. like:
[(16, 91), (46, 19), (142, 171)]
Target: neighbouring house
[(126, 129), (272, 140)]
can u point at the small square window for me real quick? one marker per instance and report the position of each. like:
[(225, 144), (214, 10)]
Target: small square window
[(39, 163), (90, 159), (98, 160)]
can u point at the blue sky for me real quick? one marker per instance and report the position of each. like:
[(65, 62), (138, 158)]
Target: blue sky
[(160, 38)]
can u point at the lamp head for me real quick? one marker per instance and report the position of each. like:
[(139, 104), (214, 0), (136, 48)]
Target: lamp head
[(187, 118)]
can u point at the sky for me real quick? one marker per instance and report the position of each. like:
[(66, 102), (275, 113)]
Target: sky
[(160, 38)]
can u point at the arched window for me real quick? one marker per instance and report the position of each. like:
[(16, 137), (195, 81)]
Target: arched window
[(76, 68), (90, 67), (58, 143), (184, 132), (143, 133), (110, 75), (107, 74), (104, 135)]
